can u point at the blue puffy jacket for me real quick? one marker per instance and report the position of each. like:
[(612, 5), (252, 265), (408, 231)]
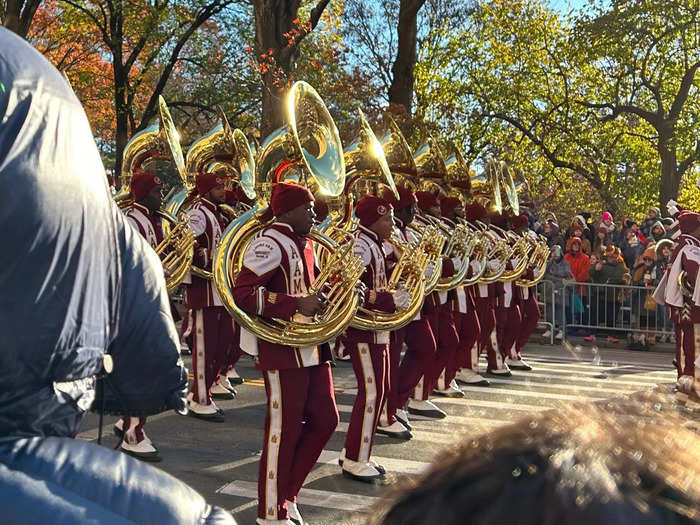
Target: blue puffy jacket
[(75, 282)]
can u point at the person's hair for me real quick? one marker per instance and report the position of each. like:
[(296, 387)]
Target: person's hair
[(615, 462)]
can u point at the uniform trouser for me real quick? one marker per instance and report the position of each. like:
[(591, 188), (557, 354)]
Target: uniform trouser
[(485, 311), (530, 312), (403, 377), (444, 370), (213, 342), (371, 365), (687, 347), (508, 322), (234, 353), (301, 417), (467, 326), (133, 429)]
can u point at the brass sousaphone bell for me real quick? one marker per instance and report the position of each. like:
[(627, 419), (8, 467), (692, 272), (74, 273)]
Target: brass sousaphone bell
[(161, 140), (306, 150)]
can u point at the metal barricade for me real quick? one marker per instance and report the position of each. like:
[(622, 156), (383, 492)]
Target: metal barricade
[(544, 292), (620, 311)]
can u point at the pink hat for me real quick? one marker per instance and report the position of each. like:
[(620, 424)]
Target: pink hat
[(607, 216)]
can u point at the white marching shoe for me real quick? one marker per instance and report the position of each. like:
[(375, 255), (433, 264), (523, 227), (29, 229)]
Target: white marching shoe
[(206, 412), (365, 472), (396, 430), (341, 460), (517, 364), (452, 390), (144, 450), (504, 371), (471, 378), (234, 378), (402, 416), (262, 521), (425, 408), (294, 513), (220, 390)]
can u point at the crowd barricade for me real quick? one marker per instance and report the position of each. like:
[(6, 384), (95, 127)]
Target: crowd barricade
[(621, 311), (544, 292)]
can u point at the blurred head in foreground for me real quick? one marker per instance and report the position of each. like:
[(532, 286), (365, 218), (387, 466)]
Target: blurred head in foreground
[(612, 463)]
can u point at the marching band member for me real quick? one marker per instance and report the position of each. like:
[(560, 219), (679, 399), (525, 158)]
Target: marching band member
[(369, 351), (486, 302), (146, 189), (529, 311), (451, 210), (214, 336), (278, 269), (685, 309), (466, 319), (508, 317), (419, 404), (418, 336)]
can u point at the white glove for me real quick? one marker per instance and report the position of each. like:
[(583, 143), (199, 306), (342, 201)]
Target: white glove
[(402, 298), (429, 270), (672, 207), (457, 261), (493, 265)]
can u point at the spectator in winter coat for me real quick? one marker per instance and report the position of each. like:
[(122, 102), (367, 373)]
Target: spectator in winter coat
[(606, 219), (601, 242), (553, 234), (657, 232), (578, 261), (577, 223), (605, 303), (631, 248), (558, 271), (646, 274), (653, 216), (583, 239)]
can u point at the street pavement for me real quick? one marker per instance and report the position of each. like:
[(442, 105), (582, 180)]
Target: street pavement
[(220, 460)]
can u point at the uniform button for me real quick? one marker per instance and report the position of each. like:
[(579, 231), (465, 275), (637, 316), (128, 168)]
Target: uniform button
[(271, 474), (370, 409), (369, 380)]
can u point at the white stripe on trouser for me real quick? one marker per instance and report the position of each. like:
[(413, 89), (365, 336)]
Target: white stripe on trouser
[(441, 381), (494, 346), (475, 357), (696, 341), (384, 417), (201, 379), (681, 361), (274, 407), (418, 391), (370, 402)]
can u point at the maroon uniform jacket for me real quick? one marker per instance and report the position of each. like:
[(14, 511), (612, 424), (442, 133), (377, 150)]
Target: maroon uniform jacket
[(149, 225), (207, 224), (278, 267), (369, 248), (431, 304)]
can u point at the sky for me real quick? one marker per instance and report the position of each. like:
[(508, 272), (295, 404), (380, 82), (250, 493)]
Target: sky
[(565, 5)]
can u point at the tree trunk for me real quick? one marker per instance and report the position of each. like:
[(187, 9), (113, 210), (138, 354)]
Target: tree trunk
[(273, 18), (403, 70), (122, 113), (669, 184), (19, 15)]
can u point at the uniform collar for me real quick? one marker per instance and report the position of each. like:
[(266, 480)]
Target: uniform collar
[(209, 204), (142, 209), (369, 233)]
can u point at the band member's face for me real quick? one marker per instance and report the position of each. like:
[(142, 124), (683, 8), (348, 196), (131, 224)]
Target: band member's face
[(406, 214), (434, 211), (217, 194), (384, 226), (301, 218), (154, 198), (459, 212)]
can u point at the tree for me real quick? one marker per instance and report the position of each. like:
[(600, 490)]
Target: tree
[(648, 56), (278, 33), (17, 15), (144, 41)]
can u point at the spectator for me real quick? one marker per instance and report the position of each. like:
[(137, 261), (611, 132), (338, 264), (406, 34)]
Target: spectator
[(631, 248), (606, 300), (645, 276), (663, 257), (607, 221), (583, 239), (602, 241), (579, 263), (553, 234), (657, 232), (558, 271), (578, 223), (653, 215)]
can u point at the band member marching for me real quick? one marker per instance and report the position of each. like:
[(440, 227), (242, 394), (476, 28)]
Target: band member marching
[(146, 190), (369, 351), (679, 289), (529, 311), (278, 269), (214, 337), (446, 366), (418, 336)]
